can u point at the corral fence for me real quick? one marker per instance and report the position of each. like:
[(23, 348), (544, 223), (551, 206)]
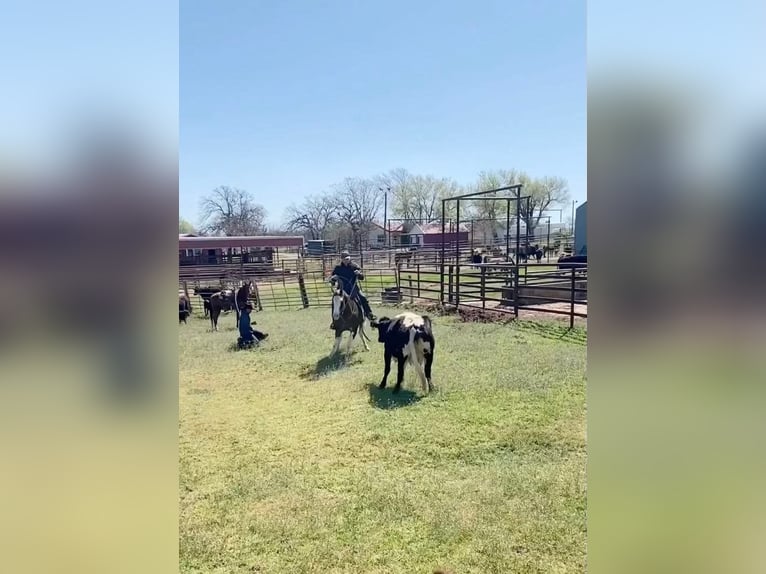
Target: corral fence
[(557, 289), (290, 291)]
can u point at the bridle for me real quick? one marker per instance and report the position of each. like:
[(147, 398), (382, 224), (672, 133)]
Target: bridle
[(337, 290)]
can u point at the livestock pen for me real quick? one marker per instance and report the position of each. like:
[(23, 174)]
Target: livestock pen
[(291, 461)]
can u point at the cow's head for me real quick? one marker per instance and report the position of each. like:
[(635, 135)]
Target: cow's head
[(381, 325)]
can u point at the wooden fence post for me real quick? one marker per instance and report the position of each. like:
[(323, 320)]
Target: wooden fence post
[(418, 270), (304, 294), (572, 300), (409, 281), (483, 288)]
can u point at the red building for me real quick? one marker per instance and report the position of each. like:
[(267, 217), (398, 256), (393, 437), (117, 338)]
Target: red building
[(214, 258), (431, 234)]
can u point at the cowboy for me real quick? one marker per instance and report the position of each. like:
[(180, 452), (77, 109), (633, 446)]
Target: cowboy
[(349, 272), (247, 334)]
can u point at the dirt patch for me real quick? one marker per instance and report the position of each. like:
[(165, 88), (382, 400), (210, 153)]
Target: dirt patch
[(493, 312)]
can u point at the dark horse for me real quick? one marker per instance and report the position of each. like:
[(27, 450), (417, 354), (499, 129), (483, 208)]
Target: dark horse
[(347, 315), (528, 251), (226, 300), (243, 294), (220, 301)]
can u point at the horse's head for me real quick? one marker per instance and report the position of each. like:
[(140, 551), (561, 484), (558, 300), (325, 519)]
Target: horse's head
[(338, 296), (247, 287)]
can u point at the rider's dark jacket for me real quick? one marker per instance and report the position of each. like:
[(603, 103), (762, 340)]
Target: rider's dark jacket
[(346, 272)]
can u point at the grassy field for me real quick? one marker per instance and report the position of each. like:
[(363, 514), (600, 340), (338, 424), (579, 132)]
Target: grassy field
[(292, 462)]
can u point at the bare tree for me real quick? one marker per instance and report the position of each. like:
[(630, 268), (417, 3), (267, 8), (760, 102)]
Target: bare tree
[(402, 200), (313, 217), (417, 196), (232, 211), (544, 193), (494, 210), (357, 202)]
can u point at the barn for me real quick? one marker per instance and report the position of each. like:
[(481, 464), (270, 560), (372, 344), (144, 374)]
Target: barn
[(430, 234), (219, 257)]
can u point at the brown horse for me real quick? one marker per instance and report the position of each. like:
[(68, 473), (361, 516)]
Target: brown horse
[(220, 301), (347, 315)]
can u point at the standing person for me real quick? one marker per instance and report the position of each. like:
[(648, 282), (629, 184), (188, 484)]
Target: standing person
[(349, 272)]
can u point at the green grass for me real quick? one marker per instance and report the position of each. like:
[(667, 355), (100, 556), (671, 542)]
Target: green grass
[(293, 462)]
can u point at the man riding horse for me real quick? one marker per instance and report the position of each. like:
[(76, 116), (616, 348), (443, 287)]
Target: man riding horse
[(349, 272)]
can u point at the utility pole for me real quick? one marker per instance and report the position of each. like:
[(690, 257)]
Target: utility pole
[(548, 243), (386, 231)]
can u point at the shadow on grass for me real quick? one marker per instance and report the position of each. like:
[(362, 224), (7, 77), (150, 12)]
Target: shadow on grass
[(329, 364), (388, 399), (234, 348), (550, 330)]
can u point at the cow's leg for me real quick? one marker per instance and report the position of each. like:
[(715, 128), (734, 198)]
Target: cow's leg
[(429, 362), (415, 361), (400, 373), (387, 360)]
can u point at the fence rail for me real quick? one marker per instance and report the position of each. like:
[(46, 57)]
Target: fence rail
[(297, 291), (501, 287), (504, 288)]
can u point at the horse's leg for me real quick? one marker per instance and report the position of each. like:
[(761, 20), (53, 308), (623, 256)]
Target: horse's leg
[(336, 347), (353, 338), (387, 359)]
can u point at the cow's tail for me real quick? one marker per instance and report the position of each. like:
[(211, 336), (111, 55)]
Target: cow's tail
[(426, 336)]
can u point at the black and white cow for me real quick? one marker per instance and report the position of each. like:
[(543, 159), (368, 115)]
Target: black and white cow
[(407, 337)]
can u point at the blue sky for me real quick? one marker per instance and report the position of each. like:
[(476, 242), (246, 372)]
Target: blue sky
[(286, 98), (66, 64)]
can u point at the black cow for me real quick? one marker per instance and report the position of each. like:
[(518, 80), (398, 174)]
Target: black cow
[(407, 336), (573, 261), (184, 308)]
